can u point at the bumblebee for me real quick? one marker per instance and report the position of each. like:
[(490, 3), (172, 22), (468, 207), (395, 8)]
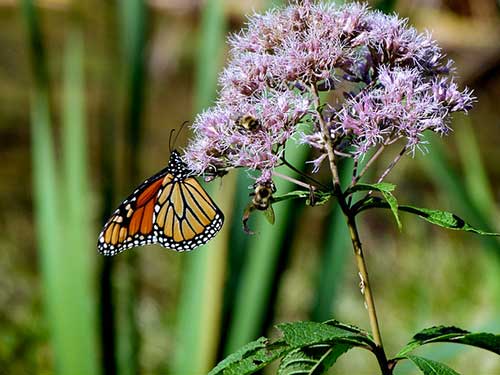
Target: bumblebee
[(262, 196), (248, 122)]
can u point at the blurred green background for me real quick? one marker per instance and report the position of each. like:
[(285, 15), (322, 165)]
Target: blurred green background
[(89, 91)]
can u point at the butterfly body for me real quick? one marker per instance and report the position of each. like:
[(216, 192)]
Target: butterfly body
[(171, 209)]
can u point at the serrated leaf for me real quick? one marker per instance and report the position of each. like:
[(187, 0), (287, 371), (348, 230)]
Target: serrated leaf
[(257, 360), (438, 331), (386, 189), (487, 341), (244, 352), (301, 334), (430, 367), (334, 336), (346, 327), (312, 360)]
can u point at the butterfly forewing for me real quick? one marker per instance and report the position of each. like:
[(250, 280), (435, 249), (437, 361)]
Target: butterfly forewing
[(171, 209)]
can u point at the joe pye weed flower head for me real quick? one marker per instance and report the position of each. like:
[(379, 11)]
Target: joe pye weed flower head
[(388, 83)]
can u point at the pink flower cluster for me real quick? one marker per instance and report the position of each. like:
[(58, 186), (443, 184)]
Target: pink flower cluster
[(390, 82)]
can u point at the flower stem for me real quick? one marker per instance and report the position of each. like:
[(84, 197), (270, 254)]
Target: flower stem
[(328, 141), (366, 290), (294, 181), (356, 242), (368, 164), (393, 163)]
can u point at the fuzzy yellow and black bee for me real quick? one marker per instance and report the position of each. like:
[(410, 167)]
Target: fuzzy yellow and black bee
[(248, 122), (262, 196), (262, 199)]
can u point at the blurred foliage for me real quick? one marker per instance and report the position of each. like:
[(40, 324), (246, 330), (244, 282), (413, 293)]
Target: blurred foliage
[(421, 276)]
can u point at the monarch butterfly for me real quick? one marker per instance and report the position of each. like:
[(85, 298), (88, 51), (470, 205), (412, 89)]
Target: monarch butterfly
[(170, 208)]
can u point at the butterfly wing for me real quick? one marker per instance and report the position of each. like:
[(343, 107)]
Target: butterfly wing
[(176, 213), (185, 216), (132, 222)]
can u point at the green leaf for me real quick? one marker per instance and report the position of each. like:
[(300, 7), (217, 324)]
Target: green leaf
[(386, 189), (245, 351), (430, 367), (346, 327), (312, 360), (317, 198), (301, 334), (487, 341), (444, 219), (381, 186), (315, 347), (251, 357)]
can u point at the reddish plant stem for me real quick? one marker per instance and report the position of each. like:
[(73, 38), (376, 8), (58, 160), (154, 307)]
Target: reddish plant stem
[(356, 243)]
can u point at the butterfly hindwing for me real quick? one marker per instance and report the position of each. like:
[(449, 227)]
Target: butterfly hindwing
[(185, 216)]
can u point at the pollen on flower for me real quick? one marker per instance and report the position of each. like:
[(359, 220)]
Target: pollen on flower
[(396, 84)]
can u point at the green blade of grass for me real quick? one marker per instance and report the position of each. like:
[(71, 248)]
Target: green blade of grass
[(239, 244), (49, 234), (199, 323), (479, 188), (78, 300), (211, 47), (132, 16), (461, 192), (332, 262), (45, 189), (238, 238), (202, 289), (446, 177), (475, 178), (68, 310), (261, 255), (107, 129)]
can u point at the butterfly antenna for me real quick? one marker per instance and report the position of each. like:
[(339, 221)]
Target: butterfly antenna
[(180, 130), (170, 140)]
